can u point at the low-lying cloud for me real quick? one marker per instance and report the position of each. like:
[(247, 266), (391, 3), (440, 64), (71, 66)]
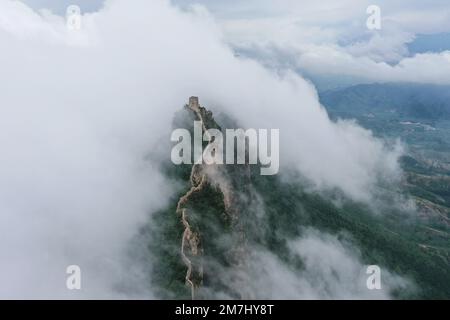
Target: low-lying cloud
[(332, 269), (81, 111)]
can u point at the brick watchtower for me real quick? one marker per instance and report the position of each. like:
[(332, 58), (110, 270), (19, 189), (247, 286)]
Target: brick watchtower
[(193, 103)]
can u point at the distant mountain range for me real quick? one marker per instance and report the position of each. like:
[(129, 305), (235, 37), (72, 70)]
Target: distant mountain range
[(404, 101)]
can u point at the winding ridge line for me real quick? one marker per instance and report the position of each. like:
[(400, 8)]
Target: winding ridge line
[(187, 233)]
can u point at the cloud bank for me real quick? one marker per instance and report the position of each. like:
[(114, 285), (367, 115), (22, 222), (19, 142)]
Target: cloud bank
[(332, 270), (331, 38), (81, 111)]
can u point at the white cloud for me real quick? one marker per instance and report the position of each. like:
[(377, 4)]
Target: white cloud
[(331, 269), (81, 111), (329, 37), (422, 68)]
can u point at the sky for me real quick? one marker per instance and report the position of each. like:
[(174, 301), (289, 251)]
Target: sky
[(60, 6), (85, 113), (411, 46)]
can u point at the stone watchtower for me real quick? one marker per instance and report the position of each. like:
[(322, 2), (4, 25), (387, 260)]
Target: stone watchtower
[(193, 103)]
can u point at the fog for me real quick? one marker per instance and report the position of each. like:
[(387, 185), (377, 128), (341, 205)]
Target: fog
[(332, 270), (80, 111)]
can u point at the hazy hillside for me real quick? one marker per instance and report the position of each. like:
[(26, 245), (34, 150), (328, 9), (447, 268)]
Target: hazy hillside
[(403, 101), (266, 215)]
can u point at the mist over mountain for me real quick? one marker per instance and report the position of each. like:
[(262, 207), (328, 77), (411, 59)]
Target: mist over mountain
[(87, 179), (265, 237)]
